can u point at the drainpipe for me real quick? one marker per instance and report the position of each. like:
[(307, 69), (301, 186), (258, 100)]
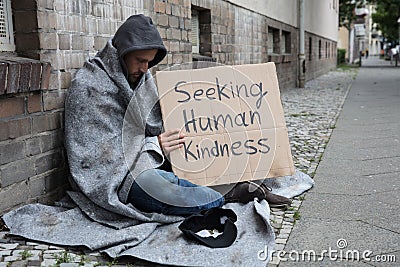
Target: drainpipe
[(302, 57), (351, 44)]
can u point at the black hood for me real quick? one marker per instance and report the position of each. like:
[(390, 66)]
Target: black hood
[(138, 33)]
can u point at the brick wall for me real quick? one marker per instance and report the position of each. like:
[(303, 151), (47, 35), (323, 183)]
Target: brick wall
[(173, 20), (64, 33), (320, 58), (31, 157)]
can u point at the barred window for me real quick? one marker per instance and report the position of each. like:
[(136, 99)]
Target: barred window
[(319, 49), (201, 31), (195, 32), (273, 41), (6, 29), (286, 43)]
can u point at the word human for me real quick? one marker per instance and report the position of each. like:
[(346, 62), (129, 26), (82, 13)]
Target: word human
[(223, 91), (205, 123)]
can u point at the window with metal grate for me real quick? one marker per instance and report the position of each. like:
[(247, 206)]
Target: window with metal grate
[(273, 41), (6, 29), (286, 43), (195, 32)]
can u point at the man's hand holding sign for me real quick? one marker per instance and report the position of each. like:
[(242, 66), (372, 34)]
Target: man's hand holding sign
[(171, 140)]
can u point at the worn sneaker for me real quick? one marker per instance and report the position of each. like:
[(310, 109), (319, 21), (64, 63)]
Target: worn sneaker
[(245, 192)]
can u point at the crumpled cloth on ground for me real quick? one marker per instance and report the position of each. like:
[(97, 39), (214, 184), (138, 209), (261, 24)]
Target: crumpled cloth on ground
[(290, 186)]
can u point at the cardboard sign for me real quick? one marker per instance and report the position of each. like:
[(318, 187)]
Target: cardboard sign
[(233, 121)]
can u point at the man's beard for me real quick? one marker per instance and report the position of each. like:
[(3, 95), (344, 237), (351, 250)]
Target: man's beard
[(134, 78)]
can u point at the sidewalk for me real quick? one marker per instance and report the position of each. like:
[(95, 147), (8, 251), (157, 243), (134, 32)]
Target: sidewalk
[(354, 206), (375, 61)]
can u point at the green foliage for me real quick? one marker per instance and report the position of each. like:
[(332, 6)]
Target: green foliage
[(341, 56), (346, 11), (386, 16), (25, 254), (296, 215), (63, 258), (112, 263)]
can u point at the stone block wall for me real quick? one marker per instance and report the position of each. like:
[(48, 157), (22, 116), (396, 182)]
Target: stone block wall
[(59, 35)]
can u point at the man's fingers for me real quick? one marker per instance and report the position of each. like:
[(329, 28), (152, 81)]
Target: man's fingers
[(171, 135), (171, 148), (174, 142), (171, 140)]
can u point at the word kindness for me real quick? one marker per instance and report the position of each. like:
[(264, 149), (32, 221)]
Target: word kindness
[(232, 122), (218, 149)]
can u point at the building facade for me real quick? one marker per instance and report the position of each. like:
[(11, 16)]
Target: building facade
[(361, 36), (44, 43)]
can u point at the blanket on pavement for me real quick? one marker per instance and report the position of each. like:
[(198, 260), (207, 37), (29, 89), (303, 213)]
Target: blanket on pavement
[(154, 241)]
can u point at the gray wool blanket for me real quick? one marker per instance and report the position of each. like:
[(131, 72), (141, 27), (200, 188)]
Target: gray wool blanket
[(110, 134), (110, 138), (153, 241)]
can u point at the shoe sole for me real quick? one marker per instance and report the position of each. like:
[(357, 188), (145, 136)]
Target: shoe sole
[(278, 205)]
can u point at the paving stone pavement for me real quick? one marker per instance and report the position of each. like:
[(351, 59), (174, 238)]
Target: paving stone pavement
[(310, 114)]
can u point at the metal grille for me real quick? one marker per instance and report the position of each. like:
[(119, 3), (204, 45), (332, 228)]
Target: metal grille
[(3, 16), (195, 32), (6, 29)]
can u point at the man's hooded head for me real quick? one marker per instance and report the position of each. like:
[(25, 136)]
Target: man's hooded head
[(139, 35)]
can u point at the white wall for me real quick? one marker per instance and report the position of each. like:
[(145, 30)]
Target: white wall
[(343, 40), (282, 10), (321, 16)]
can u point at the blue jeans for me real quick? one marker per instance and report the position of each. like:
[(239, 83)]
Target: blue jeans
[(163, 192)]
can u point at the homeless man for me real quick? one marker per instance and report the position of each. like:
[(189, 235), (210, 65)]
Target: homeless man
[(113, 129)]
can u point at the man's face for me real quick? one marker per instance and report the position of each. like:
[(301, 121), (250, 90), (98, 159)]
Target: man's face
[(137, 63)]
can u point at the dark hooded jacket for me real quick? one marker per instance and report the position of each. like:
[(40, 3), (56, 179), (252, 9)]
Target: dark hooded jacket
[(138, 33), (107, 128)]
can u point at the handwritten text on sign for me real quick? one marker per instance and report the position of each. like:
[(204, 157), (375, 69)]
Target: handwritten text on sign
[(233, 122)]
